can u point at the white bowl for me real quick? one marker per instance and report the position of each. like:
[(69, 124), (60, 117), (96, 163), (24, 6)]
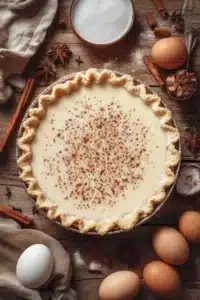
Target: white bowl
[(101, 22)]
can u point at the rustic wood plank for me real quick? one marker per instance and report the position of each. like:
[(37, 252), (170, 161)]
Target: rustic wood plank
[(141, 254)]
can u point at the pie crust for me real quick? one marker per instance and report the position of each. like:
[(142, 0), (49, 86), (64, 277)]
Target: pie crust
[(36, 115)]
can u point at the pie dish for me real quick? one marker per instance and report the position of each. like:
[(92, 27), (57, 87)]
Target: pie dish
[(98, 153)]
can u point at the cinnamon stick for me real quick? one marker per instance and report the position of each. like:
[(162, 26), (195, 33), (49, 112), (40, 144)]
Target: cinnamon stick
[(22, 102), (161, 8), (23, 220), (151, 21), (153, 70)]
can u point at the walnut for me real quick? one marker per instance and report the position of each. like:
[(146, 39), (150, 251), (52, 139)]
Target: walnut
[(182, 84)]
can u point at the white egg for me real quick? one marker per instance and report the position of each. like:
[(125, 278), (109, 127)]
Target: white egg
[(35, 266)]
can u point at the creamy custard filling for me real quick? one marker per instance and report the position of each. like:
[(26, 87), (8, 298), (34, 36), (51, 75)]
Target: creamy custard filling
[(99, 153)]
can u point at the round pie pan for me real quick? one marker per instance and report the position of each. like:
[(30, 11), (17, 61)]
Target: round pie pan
[(74, 229)]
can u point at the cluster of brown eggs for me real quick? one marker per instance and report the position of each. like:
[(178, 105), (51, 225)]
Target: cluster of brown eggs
[(173, 249)]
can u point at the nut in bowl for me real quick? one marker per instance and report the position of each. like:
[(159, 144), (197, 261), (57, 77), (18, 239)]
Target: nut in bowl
[(101, 23), (181, 85), (89, 196)]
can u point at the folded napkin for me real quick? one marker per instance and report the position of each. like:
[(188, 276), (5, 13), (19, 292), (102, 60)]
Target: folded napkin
[(13, 241), (23, 25)]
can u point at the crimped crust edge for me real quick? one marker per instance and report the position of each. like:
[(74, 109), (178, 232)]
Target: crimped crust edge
[(87, 78)]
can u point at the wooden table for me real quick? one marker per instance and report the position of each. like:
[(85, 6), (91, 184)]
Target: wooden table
[(126, 57)]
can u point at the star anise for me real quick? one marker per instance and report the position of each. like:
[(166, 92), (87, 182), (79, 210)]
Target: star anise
[(192, 140), (59, 53), (44, 71)]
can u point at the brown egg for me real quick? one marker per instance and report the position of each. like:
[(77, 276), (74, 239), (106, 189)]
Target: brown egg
[(189, 226), (171, 246), (122, 285), (162, 278), (169, 53)]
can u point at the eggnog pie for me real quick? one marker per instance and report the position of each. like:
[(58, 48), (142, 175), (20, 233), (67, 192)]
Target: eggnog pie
[(99, 152)]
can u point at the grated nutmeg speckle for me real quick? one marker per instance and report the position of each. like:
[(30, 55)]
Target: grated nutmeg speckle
[(102, 156)]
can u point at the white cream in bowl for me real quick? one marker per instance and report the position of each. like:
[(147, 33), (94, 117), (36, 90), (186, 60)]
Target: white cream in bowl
[(102, 22)]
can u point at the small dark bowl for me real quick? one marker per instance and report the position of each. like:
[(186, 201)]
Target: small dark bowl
[(73, 3)]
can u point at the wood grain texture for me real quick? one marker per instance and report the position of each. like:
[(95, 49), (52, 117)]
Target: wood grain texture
[(125, 57)]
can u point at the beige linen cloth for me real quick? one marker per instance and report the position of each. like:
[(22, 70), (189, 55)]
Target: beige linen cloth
[(13, 241), (23, 25)]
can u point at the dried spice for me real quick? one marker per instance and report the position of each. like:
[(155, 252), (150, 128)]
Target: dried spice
[(59, 53), (79, 61), (8, 192), (151, 20), (11, 213), (182, 84), (45, 71), (62, 24), (35, 211), (192, 140), (178, 20), (25, 97), (18, 209)]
